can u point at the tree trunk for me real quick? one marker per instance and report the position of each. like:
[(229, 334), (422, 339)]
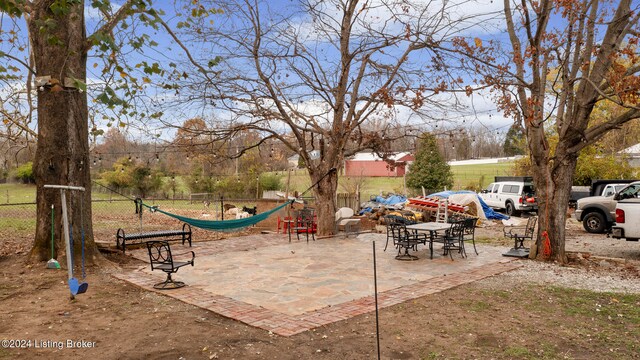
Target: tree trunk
[(553, 189), (62, 154), (325, 193)]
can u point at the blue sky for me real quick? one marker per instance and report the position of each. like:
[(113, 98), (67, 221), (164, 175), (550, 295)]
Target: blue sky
[(480, 110)]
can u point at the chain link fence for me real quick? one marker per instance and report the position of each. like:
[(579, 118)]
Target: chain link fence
[(18, 220)]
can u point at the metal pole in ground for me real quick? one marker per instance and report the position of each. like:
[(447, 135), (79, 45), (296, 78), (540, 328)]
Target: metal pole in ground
[(65, 223), (375, 291)]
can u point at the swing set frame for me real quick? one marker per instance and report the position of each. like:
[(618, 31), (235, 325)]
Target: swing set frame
[(65, 222)]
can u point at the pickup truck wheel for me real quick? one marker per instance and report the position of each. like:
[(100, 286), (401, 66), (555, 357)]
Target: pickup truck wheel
[(594, 223), (510, 209)]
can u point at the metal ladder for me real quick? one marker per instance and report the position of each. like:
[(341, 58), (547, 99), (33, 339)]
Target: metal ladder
[(443, 211)]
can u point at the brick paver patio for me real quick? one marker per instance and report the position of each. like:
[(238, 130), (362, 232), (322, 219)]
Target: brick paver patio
[(288, 288)]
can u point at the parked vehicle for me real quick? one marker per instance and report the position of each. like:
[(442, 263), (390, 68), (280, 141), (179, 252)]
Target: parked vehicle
[(511, 194), (597, 213), (600, 187), (627, 224)]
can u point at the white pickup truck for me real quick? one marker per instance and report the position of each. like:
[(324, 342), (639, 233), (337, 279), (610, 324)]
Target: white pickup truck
[(597, 213), (627, 220)]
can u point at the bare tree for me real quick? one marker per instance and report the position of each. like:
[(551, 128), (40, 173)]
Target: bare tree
[(334, 76)]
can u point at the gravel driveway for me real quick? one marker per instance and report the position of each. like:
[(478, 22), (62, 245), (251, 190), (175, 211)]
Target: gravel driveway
[(600, 263)]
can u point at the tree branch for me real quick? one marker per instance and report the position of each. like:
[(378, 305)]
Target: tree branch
[(124, 11), (593, 134), (22, 127), (4, 54)]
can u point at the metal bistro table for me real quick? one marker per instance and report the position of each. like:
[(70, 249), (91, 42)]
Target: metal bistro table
[(432, 228)]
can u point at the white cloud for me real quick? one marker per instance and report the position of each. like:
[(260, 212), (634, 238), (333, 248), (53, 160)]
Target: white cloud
[(92, 14), (442, 17)]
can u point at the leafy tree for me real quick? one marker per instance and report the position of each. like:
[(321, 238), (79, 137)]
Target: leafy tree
[(170, 184), (515, 141), (198, 183), (121, 175), (592, 164), (24, 173), (145, 180), (429, 170), (463, 147), (591, 46), (234, 187), (127, 174), (58, 51), (270, 181)]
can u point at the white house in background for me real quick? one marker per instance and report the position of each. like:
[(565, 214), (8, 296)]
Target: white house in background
[(293, 159), (633, 154)]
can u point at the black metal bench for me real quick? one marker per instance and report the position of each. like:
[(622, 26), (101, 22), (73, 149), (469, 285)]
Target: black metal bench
[(123, 239), (519, 234), (161, 258)]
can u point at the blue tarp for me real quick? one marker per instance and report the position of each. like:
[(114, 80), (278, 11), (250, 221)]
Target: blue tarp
[(391, 200), (488, 211)]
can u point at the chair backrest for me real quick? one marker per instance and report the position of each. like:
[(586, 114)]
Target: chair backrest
[(306, 215), (456, 231), (470, 226), (398, 231), (531, 225), (397, 219), (159, 253), (344, 213)]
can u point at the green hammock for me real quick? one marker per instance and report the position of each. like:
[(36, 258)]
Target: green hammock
[(221, 225)]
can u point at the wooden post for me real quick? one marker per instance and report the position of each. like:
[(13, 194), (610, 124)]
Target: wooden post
[(286, 196), (221, 207), (257, 187)]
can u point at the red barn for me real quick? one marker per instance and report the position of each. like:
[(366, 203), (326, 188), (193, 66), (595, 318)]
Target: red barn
[(370, 164)]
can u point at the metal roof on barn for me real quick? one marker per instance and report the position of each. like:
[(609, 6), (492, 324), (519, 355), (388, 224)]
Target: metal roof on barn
[(632, 150), (367, 156)]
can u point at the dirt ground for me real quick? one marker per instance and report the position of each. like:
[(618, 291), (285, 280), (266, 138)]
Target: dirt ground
[(497, 318)]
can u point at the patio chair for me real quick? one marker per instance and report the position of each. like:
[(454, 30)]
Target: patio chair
[(305, 223), (468, 232), (451, 240), (404, 239), (344, 219), (394, 219), (161, 258), (519, 234)]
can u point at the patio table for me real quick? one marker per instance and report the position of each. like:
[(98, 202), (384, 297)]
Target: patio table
[(432, 227)]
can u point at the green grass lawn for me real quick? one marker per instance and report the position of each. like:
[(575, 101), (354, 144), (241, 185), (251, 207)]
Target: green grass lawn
[(17, 193), (473, 177), (465, 177), (19, 220), (479, 176)]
